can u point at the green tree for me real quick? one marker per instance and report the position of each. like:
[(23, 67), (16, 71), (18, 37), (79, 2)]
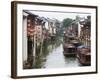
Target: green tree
[(66, 22)]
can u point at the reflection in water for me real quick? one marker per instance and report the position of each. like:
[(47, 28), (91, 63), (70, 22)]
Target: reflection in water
[(71, 62), (55, 59), (52, 57)]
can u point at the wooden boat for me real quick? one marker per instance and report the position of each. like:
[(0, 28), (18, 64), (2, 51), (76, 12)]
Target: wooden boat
[(71, 37), (84, 56), (67, 38), (69, 49), (76, 43)]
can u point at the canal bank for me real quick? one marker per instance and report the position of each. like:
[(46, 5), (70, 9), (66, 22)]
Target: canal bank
[(53, 57)]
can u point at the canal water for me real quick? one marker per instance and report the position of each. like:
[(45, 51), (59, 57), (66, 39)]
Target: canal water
[(56, 59), (52, 57)]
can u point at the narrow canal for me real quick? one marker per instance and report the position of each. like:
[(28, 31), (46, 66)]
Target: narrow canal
[(52, 57), (56, 59)]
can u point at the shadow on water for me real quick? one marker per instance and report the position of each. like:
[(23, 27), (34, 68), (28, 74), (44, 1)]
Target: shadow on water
[(47, 48)]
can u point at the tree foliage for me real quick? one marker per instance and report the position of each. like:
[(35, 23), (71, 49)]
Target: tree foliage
[(66, 22)]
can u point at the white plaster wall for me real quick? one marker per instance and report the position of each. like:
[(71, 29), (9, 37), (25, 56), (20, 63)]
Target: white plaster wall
[(24, 39)]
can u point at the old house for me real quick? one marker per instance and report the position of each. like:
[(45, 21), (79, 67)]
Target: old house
[(29, 38), (86, 31), (82, 29), (33, 36)]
